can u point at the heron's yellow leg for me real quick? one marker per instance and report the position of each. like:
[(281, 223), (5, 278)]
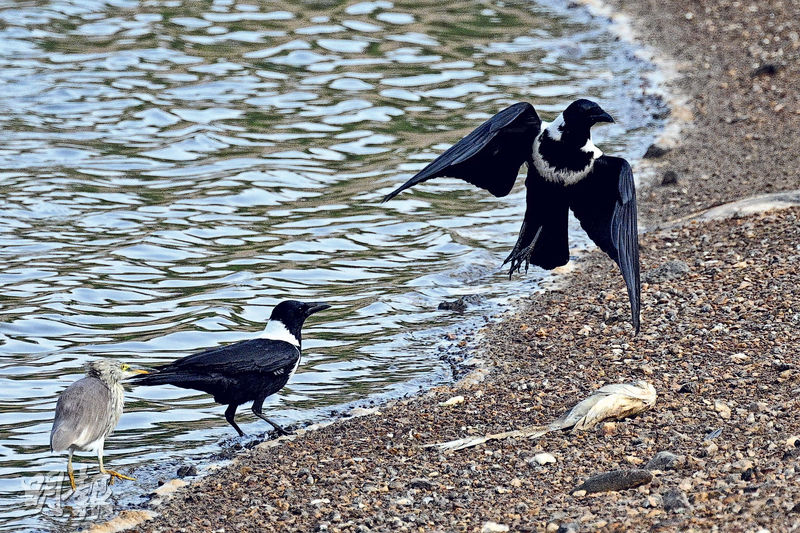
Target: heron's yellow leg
[(112, 473), (70, 474)]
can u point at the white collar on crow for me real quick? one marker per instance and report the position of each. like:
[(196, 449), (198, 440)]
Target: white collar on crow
[(554, 130), (277, 331)]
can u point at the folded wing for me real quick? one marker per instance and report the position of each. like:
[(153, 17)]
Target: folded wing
[(490, 157), (605, 204), (255, 355)]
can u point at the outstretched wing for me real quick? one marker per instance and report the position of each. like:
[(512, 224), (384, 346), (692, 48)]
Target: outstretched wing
[(490, 157), (605, 204)]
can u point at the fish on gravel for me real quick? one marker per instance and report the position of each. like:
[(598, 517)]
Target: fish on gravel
[(615, 401)]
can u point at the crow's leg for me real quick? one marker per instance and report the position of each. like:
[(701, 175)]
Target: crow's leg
[(257, 411), (230, 412)]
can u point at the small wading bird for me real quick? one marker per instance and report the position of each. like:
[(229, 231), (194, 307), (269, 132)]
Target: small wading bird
[(244, 371), (565, 171), (88, 411)]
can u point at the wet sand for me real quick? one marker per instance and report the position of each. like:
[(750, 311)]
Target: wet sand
[(719, 341)]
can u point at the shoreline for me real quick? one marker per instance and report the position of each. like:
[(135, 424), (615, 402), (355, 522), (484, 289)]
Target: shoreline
[(534, 353)]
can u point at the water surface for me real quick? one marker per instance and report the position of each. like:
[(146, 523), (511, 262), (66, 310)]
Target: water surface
[(170, 170)]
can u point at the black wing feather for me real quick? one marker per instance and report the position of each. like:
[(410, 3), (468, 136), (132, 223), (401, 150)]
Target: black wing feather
[(490, 156), (255, 355), (605, 204)]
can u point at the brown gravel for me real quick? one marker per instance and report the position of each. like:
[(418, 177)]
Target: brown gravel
[(719, 340), (745, 139)]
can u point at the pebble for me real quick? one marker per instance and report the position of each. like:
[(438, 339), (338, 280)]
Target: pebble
[(674, 269), (670, 177), (187, 470), (662, 461), (655, 151), (544, 458), (723, 409), (494, 527), (455, 400), (675, 500)]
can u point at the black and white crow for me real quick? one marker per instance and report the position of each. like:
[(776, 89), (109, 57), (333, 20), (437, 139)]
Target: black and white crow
[(565, 171), (247, 370)]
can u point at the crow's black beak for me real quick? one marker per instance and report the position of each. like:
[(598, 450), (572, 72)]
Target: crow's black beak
[(315, 307), (601, 116)]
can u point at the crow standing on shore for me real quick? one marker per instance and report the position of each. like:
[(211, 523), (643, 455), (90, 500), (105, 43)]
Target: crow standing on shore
[(565, 171), (244, 371)]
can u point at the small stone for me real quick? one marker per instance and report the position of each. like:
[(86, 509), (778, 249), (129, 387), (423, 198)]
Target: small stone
[(420, 483), (675, 500), (570, 527), (403, 502), (670, 177), (662, 461), (187, 470), (494, 527), (723, 409), (544, 458), (455, 400), (670, 270), (688, 388), (655, 151), (516, 482), (767, 69), (609, 428)]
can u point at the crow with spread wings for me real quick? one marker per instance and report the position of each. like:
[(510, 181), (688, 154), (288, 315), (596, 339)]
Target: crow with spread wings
[(565, 171)]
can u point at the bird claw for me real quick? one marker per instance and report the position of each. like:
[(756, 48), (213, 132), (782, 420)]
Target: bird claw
[(114, 474), (517, 257), (520, 254)]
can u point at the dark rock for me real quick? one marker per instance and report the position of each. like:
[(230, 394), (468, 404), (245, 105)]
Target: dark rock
[(713, 434), (767, 69), (662, 461), (674, 269), (688, 388), (460, 305), (615, 480), (747, 475), (572, 527), (675, 500), (670, 177), (655, 151), (420, 483), (187, 470)]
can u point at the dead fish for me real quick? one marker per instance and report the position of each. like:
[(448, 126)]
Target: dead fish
[(617, 401)]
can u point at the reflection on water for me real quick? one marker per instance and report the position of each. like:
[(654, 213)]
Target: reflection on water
[(172, 169)]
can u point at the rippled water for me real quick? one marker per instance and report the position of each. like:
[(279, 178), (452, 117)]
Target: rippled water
[(170, 170)]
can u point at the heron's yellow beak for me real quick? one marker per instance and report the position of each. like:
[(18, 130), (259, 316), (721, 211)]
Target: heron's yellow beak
[(137, 371)]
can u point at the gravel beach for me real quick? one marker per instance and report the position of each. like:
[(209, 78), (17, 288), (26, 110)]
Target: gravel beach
[(719, 341)]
